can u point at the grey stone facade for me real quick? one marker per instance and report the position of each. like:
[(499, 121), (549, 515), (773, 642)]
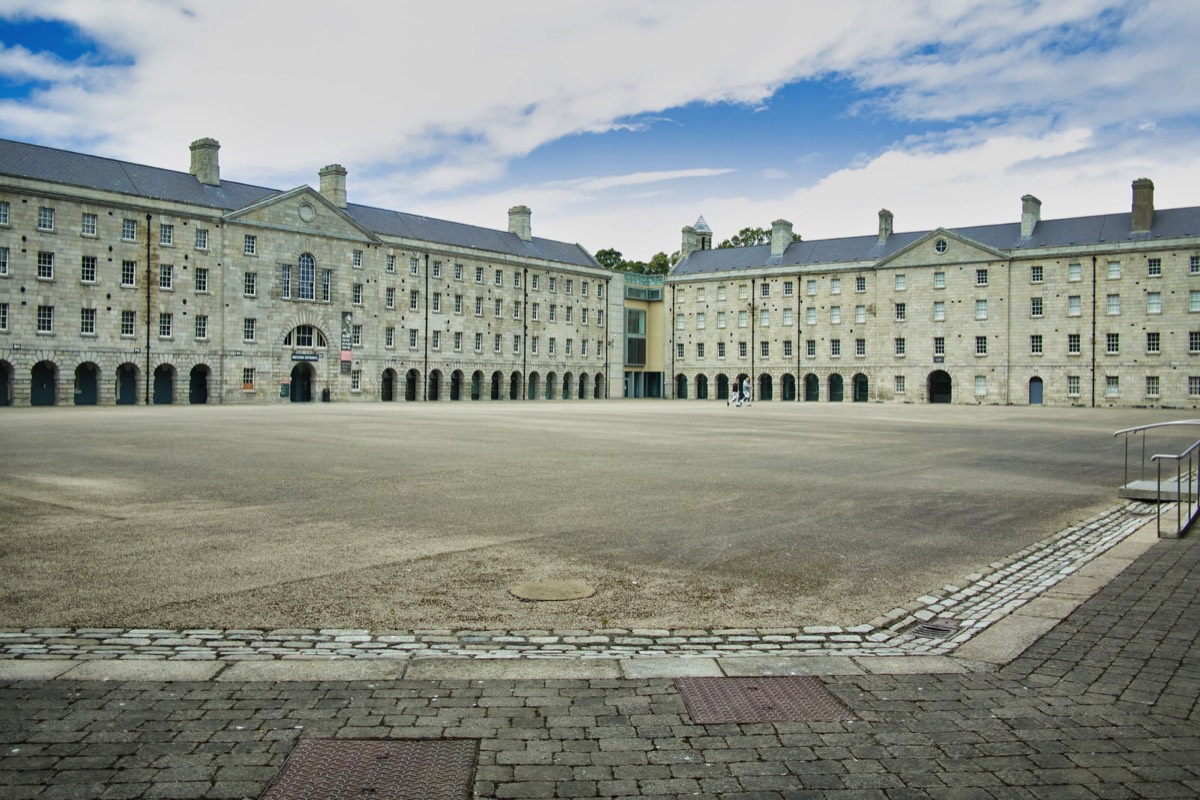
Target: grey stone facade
[(1091, 311), (121, 283)]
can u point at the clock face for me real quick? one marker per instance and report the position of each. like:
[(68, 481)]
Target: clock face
[(307, 213)]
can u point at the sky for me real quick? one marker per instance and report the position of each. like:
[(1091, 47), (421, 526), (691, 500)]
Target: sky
[(620, 122)]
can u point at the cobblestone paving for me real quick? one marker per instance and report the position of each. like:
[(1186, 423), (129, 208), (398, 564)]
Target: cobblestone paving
[(1104, 706), (980, 600)]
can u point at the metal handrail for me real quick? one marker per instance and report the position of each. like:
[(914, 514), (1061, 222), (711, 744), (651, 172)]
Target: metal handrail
[(1192, 457)]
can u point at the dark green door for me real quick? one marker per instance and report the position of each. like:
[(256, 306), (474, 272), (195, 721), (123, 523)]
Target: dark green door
[(860, 388), (5, 385), (939, 387), (45, 384), (812, 388), (126, 385), (198, 385), (302, 383), (86, 390), (164, 385), (836, 391)]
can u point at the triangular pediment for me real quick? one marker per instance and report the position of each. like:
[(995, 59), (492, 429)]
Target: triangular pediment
[(303, 210), (942, 246)]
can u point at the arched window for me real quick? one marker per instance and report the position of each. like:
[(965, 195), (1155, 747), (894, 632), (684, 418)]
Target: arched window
[(304, 336), (306, 277)]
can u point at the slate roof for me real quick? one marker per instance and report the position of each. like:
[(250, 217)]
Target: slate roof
[(1172, 223), (22, 160)]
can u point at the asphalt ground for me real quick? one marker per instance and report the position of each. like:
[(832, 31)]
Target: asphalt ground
[(401, 516)]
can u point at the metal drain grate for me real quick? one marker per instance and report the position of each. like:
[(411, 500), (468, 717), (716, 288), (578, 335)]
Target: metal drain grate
[(935, 628), (417, 769), (773, 699)]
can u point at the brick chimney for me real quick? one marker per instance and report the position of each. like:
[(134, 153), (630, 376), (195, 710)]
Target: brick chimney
[(1031, 215), (1143, 205), (689, 244), (520, 222), (333, 184), (885, 225), (204, 161), (781, 237)]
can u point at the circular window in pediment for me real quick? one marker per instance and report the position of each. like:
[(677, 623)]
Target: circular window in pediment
[(307, 212), (940, 245)]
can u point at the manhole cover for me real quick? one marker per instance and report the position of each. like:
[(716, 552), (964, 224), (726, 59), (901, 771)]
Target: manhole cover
[(552, 590), (327, 769), (768, 699), (935, 628)]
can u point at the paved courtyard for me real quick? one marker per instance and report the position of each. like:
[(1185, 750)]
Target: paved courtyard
[(679, 514)]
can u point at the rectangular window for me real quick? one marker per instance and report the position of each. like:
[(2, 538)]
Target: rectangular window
[(553, 284), (981, 345), (1113, 305), (414, 266), (356, 380), (45, 319), (700, 321), (679, 349), (285, 281), (939, 280), (389, 297), (87, 269), (356, 258), (764, 318), (389, 337), (164, 326), (1154, 268), (45, 266), (247, 378), (87, 225), (720, 320), (899, 384), (497, 345), (129, 323), (516, 279), (1114, 270), (568, 346), (87, 322), (901, 312), (326, 285), (699, 349), (835, 285), (1035, 307), (458, 305), (356, 294), (901, 282), (939, 345), (1194, 386), (498, 278), (1112, 343), (129, 230), (764, 289), (166, 276), (166, 234), (1035, 344), (516, 309), (479, 343), (1194, 341), (1074, 272), (787, 316), (811, 288), (1153, 343), (45, 219), (583, 316), (1112, 386), (412, 338), (435, 340), (860, 283), (1073, 386), (3, 260), (1154, 302), (720, 349), (789, 289), (981, 311), (128, 273), (249, 329), (810, 348), (742, 351), (250, 245), (1194, 265), (414, 299), (437, 269), (553, 346), (4, 212), (570, 289), (939, 310), (743, 319), (900, 346), (499, 307), (1035, 274), (835, 348), (479, 274), (835, 314), (1074, 305), (389, 263), (980, 385), (981, 277), (458, 341), (860, 348), (1194, 300), (201, 239), (437, 303), (570, 312), (1074, 344)]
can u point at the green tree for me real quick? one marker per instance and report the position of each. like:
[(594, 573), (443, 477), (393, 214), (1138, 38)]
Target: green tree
[(747, 237), (610, 258)]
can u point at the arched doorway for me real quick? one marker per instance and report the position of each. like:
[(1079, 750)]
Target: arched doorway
[(87, 384), (198, 385), (681, 386), (722, 386), (497, 379), (456, 379), (6, 383), (812, 388), (533, 386), (302, 383), (766, 388), (1035, 391), (567, 381), (860, 388), (435, 384), (44, 389), (127, 384), (551, 384), (598, 388), (387, 385), (514, 386), (836, 389), (164, 385), (583, 386), (939, 386), (476, 385), (701, 387), (411, 379), (789, 386)]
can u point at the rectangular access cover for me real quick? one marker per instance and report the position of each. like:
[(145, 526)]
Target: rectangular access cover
[(768, 699), (405, 769)]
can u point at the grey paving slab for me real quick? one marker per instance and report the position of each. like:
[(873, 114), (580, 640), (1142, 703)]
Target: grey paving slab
[(1001, 643), (139, 670), (313, 670), (28, 670), (751, 666), (669, 667), (909, 665), (511, 669)]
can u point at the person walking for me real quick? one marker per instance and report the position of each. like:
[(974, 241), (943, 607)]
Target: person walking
[(746, 390)]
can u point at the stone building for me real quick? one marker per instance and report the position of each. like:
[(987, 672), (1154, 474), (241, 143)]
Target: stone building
[(122, 283), (1091, 311)]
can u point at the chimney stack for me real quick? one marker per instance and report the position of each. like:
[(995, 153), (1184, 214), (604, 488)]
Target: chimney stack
[(1143, 206), (519, 222), (333, 184), (689, 244), (204, 161), (1031, 215), (885, 225), (781, 237)]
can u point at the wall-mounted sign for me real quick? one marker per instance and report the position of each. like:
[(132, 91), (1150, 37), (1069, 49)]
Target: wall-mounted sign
[(305, 356)]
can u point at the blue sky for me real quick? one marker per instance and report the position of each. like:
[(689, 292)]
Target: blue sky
[(620, 122)]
